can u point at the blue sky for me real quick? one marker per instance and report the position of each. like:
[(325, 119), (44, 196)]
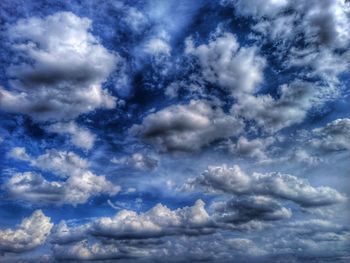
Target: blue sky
[(174, 131)]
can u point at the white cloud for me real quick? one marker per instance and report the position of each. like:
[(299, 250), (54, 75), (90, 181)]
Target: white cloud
[(257, 8), (79, 136), (187, 127), (68, 69), (224, 63), (34, 188), (31, 233), (292, 106), (157, 222), (157, 46), (233, 180), (79, 186), (62, 163)]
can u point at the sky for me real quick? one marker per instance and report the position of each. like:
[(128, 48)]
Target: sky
[(175, 131)]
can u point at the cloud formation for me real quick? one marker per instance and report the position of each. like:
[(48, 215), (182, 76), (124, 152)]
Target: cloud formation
[(233, 180), (69, 66), (187, 127), (79, 184), (31, 233)]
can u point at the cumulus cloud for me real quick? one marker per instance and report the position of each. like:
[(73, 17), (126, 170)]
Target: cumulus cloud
[(31, 233), (79, 136), (226, 64), (137, 161), (34, 188), (187, 127), (79, 184), (233, 180), (68, 68), (156, 222), (323, 26), (335, 136)]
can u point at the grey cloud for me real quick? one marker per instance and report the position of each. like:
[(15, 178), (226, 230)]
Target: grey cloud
[(244, 209), (187, 127), (69, 67), (137, 161), (335, 136), (233, 180), (255, 148), (31, 233)]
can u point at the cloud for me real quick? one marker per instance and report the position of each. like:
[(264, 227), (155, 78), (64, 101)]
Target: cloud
[(34, 188), (233, 180), (158, 45), (258, 8), (226, 64), (83, 251), (80, 137), (137, 161), (68, 68), (335, 136), (187, 127), (31, 233), (323, 22), (79, 185), (62, 163), (255, 148), (292, 106), (241, 210), (157, 222)]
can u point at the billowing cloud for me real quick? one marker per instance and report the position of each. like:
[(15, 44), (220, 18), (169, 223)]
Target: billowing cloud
[(79, 136), (233, 180), (68, 68), (156, 222), (34, 188), (79, 184), (31, 233), (226, 64), (187, 127)]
